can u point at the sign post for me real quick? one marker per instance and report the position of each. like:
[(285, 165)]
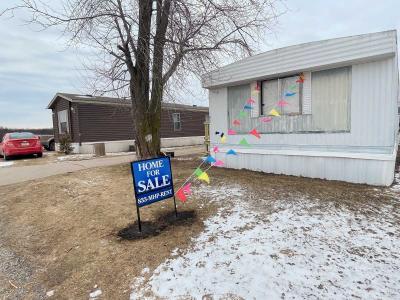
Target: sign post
[(152, 182)]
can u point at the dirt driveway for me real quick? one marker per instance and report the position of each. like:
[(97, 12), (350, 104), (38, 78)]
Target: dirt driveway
[(247, 235)]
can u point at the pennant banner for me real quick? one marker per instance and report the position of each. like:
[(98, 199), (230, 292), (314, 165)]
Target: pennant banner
[(250, 101), (247, 107), (244, 142), (288, 94), (218, 163), (266, 119), (223, 139), (210, 159), (231, 152), (255, 133), (215, 149), (231, 132), (236, 122), (273, 112), (242, 114), (282, 103), (204, 176), (181, 195)]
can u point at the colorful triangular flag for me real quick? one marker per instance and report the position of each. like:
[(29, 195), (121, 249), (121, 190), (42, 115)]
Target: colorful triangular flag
[(289, 94), (223, 139), (266, 119), (198, 172), (236, 122), (273, 112), (181, 195), (282, 103), (218, 163), (231, 132), (250, 101), (215, 149), (231, 152), (293, 87), (242, 114), (186, 189), (210, 159), (244, 142), (247, 107), (255, 133), (204, 177)]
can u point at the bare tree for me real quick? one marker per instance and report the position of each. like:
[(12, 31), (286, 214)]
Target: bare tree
[(145, 43)]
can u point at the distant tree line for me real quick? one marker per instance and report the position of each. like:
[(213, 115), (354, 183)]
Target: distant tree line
[(4, 130)]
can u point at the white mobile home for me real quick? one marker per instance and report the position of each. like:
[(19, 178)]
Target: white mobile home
[(325, 109)]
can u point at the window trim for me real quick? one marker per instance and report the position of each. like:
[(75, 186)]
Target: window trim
[(177, 122), (262, 104)]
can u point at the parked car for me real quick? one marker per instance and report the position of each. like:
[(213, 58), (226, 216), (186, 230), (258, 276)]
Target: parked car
[(20, 143), (47, 142)]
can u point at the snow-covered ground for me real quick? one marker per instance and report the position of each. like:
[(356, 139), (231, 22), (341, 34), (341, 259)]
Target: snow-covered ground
[(6, 163), (295, 249)]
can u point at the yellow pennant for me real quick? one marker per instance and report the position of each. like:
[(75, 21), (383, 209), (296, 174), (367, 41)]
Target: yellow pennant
[(204, 176), (273, 112), (223, 139)]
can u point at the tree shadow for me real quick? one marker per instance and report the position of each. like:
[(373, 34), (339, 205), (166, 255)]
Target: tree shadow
[(164, 221)]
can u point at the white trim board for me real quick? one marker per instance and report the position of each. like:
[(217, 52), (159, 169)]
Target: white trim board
[(368, 156)]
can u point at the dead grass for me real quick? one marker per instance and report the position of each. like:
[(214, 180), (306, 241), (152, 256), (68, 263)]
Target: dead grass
[(78, 230)]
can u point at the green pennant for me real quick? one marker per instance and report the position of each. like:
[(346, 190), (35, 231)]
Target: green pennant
[(242, 114), (198, 172), (244, 142), (293, 87)]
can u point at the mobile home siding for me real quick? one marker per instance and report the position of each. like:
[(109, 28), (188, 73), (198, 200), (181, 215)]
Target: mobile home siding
[(92, 122), (99, 123), (363, 154), (310, 56)]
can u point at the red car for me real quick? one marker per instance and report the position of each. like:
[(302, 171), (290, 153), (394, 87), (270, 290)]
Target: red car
[(20, 143)]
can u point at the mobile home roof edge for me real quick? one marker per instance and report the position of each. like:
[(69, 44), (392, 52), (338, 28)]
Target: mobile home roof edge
[(309, 56)]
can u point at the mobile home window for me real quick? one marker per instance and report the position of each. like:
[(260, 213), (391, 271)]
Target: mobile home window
[(63, 126), (176, 118), (286, 89)]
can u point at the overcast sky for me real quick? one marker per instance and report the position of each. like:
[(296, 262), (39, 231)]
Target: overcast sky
[(34, 65)]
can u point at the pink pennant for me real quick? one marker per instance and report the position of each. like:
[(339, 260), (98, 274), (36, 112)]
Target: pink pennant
[(250, 101), (231, 131), (266, 119), (181, 195), (236, 122), (282, 103), (255, 133), (216, 149), (186, 189), (218, 163)]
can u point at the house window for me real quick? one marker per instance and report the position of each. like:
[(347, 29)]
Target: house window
[(176, 118), (330, 94), (63, 126), (283, 95)]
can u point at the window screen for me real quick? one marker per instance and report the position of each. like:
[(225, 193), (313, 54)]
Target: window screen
[(176, 118), (286, 89)]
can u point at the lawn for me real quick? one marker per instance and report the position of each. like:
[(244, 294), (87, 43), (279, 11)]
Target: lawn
[(246, 235)]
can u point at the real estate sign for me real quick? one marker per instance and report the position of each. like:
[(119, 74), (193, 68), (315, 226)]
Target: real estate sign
[(152, 179)]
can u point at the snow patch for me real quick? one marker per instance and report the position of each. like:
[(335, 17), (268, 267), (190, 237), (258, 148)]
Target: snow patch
[(6, 163), (95, 294), (300, 249)]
